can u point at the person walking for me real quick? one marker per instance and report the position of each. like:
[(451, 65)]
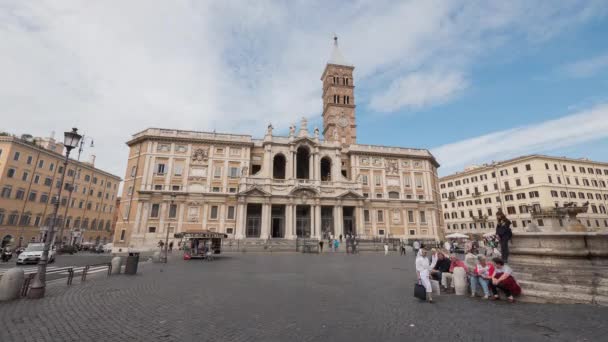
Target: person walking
[(170, 246), (416, 246), (422, 270), (385, 248), (504, 233), (336, 244), (340, 238), (321, 246)]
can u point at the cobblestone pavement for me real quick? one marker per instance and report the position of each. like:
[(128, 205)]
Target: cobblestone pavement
[(284, 297)]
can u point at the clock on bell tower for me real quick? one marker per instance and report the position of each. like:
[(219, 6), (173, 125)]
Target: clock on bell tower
[(338, 99)]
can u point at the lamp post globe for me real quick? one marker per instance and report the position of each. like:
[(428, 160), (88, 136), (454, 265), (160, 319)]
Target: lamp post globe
[(37, 288)]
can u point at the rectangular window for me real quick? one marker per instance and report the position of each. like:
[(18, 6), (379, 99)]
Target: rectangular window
[(32, 196), (122, 235), (16, 156), (419, 181), (364, 179), (410, 216), (160, 169), (6, 191), (530, 180), (380, 215), (151, 229), (528, 167), (366, 215), (234, 172), (515, 170), (422, 217), (10, 173), (20, 194), (172, 210), (230, 215), (178, 169), (214, 211), (155, 210), (217, 172), (378, 180)]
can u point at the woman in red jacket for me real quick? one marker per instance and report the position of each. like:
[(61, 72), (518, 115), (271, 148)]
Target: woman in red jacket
[(503, 279)]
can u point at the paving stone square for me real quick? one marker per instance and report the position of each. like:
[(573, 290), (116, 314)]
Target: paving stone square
[(284, 297)]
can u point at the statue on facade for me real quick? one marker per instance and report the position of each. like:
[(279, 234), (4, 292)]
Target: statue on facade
[(269, 130), (335, 135), (244, 171), (317, 132), (292, 130)]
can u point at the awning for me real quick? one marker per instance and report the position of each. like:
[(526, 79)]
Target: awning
[(457, 236), (200, 234)]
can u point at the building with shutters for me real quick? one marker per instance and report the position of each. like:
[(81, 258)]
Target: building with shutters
[(521, 188)]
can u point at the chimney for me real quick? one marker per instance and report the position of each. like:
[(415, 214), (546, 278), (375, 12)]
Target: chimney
[(92, 160)]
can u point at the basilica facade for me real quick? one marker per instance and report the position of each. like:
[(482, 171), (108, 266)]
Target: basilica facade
[(308, 184)]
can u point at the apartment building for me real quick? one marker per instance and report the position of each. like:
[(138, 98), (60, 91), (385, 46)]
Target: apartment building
[(30, 175), (520, 187)]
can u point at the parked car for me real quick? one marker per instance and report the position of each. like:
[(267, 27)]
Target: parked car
[(33, 253), (107, 248), (67, 249), (97, 249)]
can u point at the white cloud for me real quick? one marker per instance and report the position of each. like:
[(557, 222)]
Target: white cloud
[(587, 67), (113, 68), (584, 126), (419, 89)]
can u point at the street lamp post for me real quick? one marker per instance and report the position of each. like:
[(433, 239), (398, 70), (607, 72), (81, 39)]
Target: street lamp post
[(71, 190), (38, 286), (168, 227)]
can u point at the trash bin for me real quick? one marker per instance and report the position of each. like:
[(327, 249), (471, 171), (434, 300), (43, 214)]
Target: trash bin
[(132, 261)]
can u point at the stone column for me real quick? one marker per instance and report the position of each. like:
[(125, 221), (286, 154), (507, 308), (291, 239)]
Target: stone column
[(360, 221), (289, 221), (205, 215), (338, 221), (240, 219), (180, 217), (374, 216), (265, 229), (317, 221)]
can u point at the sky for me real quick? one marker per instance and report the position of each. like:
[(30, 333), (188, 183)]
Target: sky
[(472, 81)]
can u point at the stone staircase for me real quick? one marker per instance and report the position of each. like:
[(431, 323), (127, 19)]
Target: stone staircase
[(258, 245), (542, 284)]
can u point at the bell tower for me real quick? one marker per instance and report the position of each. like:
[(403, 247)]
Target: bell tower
[(339, 99)]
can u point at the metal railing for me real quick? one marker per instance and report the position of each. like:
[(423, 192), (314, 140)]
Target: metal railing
[(70, 270)]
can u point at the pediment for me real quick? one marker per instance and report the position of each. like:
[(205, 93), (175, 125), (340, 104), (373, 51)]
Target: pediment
[(304, 191), (254, 191), (350, 195), (305, 141)]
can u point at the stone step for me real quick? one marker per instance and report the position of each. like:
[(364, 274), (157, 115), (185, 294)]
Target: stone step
[(554, 278), (562, 288)]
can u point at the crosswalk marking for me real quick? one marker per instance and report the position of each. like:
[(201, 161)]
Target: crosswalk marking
[(62, 270), (28, 270)]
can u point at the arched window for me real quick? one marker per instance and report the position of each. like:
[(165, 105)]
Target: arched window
[(302, 167), (100, 225), (393, 194), (77, 223), (278, 166), (108, 225), (94, 224), (325, 169), (85, 223)]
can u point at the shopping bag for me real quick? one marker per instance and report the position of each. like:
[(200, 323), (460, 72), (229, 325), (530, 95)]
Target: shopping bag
[(419, 291)]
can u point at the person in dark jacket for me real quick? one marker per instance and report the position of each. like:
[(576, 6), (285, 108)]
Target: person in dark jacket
[(504, 233), (442, 265)]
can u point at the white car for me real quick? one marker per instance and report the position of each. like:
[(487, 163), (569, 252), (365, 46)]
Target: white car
[(107, 248), (33, 253)]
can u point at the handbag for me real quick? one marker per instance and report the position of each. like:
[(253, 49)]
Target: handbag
[(187, 256), (419, 291)]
